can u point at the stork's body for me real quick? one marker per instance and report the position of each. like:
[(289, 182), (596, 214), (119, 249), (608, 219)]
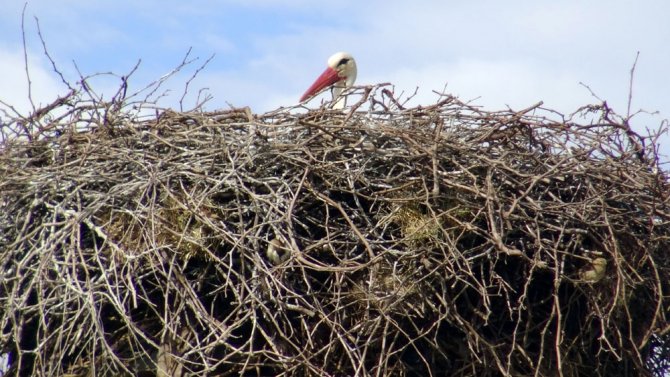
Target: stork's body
[(340, 74)]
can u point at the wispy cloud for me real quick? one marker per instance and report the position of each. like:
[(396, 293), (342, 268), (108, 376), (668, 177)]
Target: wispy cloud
[(15, 88)]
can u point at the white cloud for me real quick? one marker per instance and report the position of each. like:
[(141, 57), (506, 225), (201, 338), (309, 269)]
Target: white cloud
[(45, 86), (493, 84)]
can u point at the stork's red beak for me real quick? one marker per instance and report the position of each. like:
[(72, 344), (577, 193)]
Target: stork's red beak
[(327, 78)]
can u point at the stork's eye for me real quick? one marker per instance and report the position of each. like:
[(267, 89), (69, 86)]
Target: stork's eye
[(343, 61)]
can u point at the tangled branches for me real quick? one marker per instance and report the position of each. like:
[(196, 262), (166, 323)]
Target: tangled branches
[(440, 240)]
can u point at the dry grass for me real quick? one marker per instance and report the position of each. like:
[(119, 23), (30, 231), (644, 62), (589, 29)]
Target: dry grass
[(440, 240)]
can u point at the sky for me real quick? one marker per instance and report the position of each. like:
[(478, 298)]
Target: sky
[(266, 53)]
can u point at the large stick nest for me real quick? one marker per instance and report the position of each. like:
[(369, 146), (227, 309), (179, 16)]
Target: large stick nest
[(440, 240)]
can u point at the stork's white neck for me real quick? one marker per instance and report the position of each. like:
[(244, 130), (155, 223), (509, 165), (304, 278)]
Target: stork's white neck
[(340, 100)]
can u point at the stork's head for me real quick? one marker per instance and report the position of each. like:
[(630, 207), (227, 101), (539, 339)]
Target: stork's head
[(341, 73)]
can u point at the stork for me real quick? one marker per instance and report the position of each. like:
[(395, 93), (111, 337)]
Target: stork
[(340, 74)]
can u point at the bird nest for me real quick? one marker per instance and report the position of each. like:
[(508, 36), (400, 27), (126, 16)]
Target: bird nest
[(435, 240)]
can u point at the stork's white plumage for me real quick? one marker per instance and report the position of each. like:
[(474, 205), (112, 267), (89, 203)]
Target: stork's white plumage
[(340, 74)]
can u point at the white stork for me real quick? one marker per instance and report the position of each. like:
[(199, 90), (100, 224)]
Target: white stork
[(340, 74)]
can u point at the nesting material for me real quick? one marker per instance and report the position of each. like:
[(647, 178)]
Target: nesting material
[(435, 240)]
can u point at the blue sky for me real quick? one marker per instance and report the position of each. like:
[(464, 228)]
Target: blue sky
[(268, 52)]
